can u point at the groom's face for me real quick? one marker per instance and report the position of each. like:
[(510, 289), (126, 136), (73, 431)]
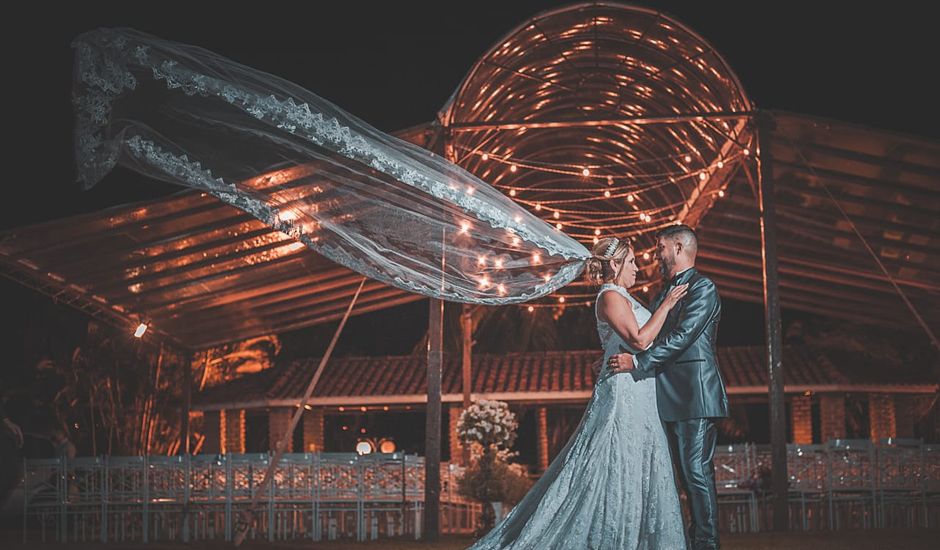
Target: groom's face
[(666, 254)]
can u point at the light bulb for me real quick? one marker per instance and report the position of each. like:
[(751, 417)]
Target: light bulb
[(721, 193), (538, 206), (597, 231), (464, 227), (702, 176), (558, 226), (607, 194), (561, 299), (556, 215), (513, 168), (531, 309), (536, 258), (585, 172), (646, 289), (646, 255), (630, 198), (512, 192), (688, 158), (485, 156), (141, 329), (747, 151)]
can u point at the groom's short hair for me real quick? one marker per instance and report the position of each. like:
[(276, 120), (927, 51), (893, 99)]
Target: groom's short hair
[(682, 233)]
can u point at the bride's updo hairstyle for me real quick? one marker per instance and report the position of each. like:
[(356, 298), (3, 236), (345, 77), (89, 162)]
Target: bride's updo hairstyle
[(599, 269)]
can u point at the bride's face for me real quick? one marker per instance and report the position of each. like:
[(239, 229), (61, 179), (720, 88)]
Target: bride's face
[(628, 273)]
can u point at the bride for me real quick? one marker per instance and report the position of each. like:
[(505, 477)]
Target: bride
[(612, 485)]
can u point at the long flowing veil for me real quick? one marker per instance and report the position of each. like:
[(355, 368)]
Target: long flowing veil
[(366, 200)]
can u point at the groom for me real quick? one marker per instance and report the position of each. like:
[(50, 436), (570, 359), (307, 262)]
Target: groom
[(690, 392)]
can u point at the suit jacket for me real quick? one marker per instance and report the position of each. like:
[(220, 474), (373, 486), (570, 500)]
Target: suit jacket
[(683, 359)]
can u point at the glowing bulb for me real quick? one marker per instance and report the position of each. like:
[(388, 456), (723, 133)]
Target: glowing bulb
[(512, 192), (610, 180), (747, 151), (363, 409), (721, 192), (646, 289), (556, 215), (469, 190), (464, 227), (561, 299), (364, 448), (538, 206), (630, 198), (646, 255), (484, 283), (721, 164), (536, 258), (597, 231), (596, 240), (547, 277), (688, 158), (502, 289), (141, 329), (341, 409), (558, 226), (607, 194), (517, 218), (481, 260), (498, 263), (585, 172), (485, 156), (703, 176), (513, 168), (531, 309), (515, 241)]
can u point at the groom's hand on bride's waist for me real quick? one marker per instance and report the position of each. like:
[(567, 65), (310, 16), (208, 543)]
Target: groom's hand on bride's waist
[(622, 362)]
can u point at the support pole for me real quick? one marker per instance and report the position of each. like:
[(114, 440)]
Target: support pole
[(432, 447), (768, 230)]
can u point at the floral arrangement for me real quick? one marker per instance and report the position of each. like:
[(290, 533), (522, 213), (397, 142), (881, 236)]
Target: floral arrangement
[(488, 424)]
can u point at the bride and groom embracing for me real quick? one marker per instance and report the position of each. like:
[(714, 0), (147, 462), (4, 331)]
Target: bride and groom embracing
[(652, 413)]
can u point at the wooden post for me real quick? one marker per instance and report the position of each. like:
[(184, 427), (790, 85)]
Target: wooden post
[(187, 404), (432, 436), (466, 331), (768, 231)]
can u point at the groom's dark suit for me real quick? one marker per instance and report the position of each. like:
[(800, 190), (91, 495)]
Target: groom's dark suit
[(690, 394)]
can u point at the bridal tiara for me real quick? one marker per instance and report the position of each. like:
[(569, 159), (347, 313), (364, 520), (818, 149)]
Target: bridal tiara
[(612, 247)]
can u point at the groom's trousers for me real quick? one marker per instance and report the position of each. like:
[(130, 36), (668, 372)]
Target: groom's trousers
[(692, 443)]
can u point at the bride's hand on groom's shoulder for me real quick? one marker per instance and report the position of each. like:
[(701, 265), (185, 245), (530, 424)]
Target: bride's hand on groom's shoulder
[(622, 362)]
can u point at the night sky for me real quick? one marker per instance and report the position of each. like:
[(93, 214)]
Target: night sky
[(395, 66)]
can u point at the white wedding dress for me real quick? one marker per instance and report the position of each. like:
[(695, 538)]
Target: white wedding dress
[(612, 485)]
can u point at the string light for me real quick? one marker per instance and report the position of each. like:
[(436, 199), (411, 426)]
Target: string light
[(585, 172), (536, 258), (531, 309), (485, 156), (597, 231), (646, 255), (512, 192), (646, 289), (747, 152), (558, 226), (141, 329), (721, 193), (464, 227), (688, 158), (556, 215), (607, 194), (513, 168), (538, 206), (561, 299), (702, 176)]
